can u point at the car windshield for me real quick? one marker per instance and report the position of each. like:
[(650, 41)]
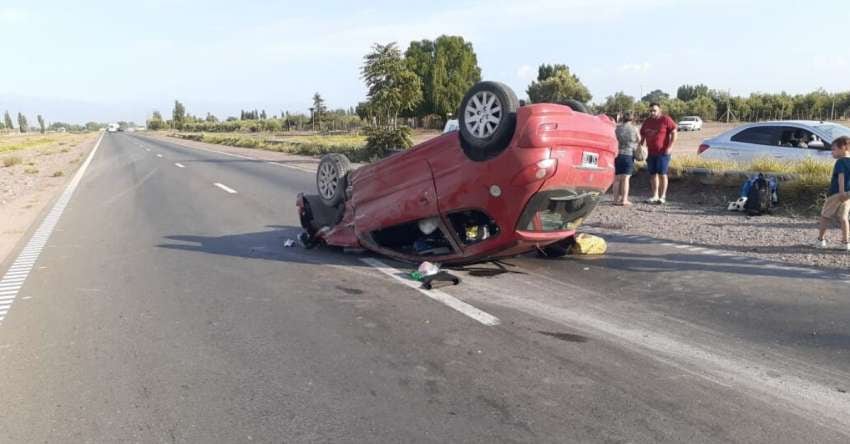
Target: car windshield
[(833, 131)]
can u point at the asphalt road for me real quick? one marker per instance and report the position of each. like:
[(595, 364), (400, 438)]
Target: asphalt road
[(163, 307)]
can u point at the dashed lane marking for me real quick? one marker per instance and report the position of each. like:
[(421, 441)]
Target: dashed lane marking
[(179, 165), (225, 188), (437, 295), (16, 275)]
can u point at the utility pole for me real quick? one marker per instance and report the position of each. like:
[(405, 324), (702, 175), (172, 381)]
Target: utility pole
[(832, 113)]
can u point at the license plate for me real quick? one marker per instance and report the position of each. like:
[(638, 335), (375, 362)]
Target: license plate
[(589, 159)]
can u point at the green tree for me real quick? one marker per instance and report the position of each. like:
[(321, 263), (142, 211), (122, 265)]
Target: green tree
[(656, 96), (178, 115), (22, 123), (618, 103), (419, 58), (319, 109), (702, 106), (41, 124), (556, 84), (675, 108), (392, 86), (155, 122), (455, 71), (211, 118), (8, 120), (691, 92)]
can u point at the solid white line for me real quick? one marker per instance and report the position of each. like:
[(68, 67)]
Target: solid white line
[(179, 165), (15, 275), (42, 234), (437, 295), (225, 188)]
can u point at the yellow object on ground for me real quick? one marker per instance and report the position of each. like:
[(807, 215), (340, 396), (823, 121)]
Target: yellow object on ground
[(588, 244)]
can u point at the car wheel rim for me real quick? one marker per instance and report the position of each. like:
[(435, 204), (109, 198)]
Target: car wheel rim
[(483, 114), (328, 181)]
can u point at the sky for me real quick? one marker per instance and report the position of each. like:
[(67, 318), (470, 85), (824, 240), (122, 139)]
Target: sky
[(110, 61)]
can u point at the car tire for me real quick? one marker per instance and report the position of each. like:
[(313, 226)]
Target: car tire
[(577, 106), (332, 178), (487, 119)]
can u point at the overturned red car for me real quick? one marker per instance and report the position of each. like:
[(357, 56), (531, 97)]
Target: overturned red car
[(512, 179)]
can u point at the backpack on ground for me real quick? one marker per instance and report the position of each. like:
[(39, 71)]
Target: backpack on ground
[(759, 197)]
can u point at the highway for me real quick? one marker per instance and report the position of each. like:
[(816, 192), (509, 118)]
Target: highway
[(156, 302)]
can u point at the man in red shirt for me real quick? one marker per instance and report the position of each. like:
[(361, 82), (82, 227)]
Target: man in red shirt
[(659, 134)]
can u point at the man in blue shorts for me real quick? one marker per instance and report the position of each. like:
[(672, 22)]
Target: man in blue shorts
[(659, 134)]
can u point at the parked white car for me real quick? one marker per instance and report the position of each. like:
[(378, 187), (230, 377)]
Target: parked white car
[(451, 125), (690, 123), (785, 139)]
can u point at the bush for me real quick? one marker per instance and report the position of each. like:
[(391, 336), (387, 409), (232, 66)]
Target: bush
[(380, 141), (11, 160), (57, 174), (31, 170)]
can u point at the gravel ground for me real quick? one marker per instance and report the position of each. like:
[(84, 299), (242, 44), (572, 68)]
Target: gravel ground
[(698, 216), (27, 187)]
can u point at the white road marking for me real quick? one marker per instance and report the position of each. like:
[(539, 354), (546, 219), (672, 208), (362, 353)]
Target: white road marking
[(147, 149), (16, 275), (225, 188), (159, 155), (437, 295), (179, 165)]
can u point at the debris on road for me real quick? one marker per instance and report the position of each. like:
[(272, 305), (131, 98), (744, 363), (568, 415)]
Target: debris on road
[(442, 276), (288, 243), (588, 244)]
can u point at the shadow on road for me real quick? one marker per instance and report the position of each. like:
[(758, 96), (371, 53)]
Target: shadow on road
[(262, 245)]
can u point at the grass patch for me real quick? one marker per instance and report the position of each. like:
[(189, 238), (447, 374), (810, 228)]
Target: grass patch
[(31, 170), (21, 143), (64, 150), (693, 161), (351, 146), (57, 174), (11, 160)]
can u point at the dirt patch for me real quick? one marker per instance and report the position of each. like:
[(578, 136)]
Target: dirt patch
[(697, 215), (35, 175)]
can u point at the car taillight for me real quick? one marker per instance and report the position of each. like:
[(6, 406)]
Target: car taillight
[(543, 169), (702, 148)]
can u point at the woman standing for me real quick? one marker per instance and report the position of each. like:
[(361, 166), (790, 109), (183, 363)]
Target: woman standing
[(624, 165)]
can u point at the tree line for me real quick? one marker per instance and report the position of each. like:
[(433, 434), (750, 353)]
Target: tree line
[(7, 125), (425, 84), (713, 104)]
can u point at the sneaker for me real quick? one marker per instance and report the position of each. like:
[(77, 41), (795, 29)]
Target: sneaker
[(847, 247), (652, 200), (662, 201), (820, 243)]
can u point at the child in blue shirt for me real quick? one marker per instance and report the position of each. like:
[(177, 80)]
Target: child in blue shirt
[(837, 204)]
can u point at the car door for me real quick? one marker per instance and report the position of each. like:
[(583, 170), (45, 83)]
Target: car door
[(759, 141), (393, 191)]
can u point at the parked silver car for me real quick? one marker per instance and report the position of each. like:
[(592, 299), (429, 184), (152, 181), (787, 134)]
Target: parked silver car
[(783, 139)]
